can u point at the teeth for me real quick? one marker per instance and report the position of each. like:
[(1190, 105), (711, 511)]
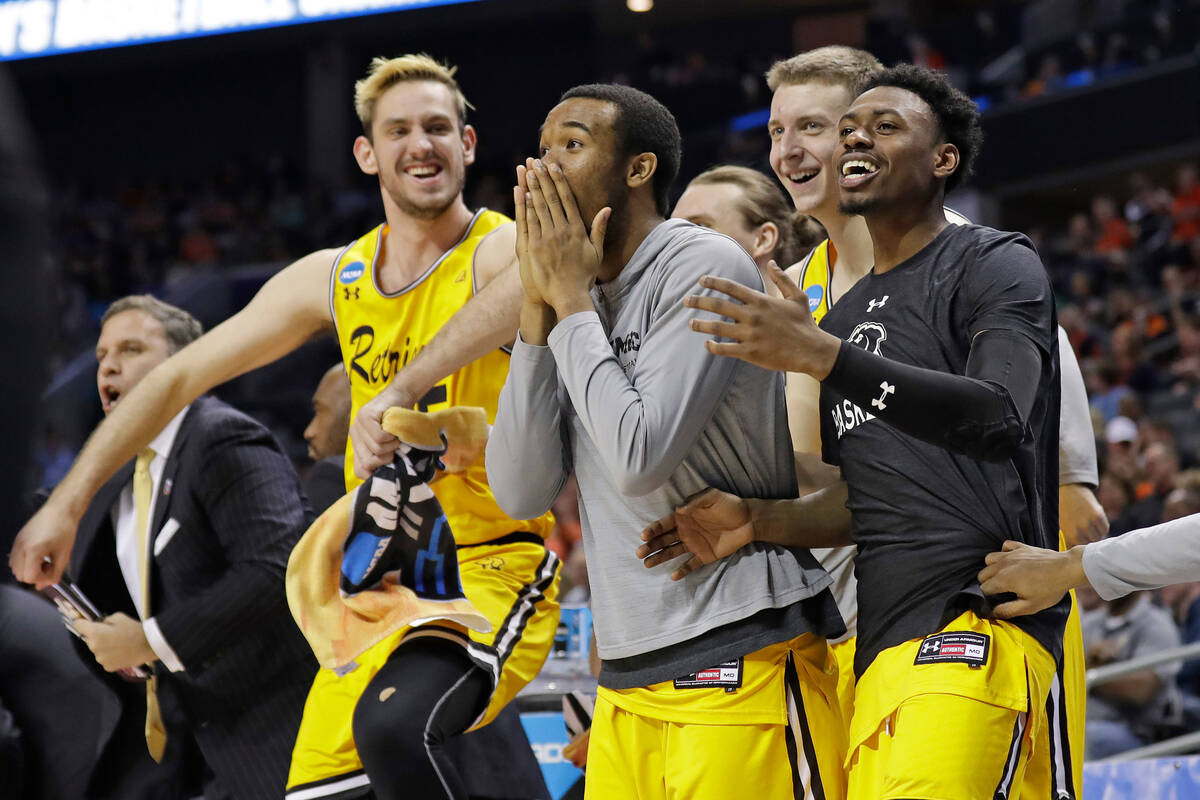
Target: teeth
[(802, 176), (422, 172), (864, 167)]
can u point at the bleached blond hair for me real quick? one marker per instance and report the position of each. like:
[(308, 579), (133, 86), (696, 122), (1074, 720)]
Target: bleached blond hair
[(387, 72), (835, 65)]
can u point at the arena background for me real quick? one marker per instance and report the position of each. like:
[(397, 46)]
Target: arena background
[(195, 168)]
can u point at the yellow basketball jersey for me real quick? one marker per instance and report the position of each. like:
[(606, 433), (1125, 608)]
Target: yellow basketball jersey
[(379, 333), (815, 278)]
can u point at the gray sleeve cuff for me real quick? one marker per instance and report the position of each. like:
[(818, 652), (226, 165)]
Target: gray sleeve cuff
[(527, 351), (1084, 476), (568, 324)]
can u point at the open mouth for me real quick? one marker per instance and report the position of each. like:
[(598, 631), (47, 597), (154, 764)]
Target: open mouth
[(109, 395), (803, 176), (857, 171), (423, 172)]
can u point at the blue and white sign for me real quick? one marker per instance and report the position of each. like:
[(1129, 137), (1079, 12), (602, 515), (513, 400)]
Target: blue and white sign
[(30, 28), (548, 736)]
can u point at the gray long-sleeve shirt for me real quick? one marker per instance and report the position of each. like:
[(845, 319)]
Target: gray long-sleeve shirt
[(1076, 439), (1145, 559), (629, 397)]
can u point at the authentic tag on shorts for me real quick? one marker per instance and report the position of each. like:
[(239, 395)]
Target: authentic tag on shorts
[(961, 647), (727, 675)]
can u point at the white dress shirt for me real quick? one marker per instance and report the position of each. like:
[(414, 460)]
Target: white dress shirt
[(124, 516)]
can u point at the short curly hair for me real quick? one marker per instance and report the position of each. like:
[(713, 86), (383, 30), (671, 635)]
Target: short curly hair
[(957, 115), (643, 125)]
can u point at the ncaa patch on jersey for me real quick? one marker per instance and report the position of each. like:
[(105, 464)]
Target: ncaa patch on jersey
[(815, 295), (956, 647), (727, 675), (351, 272)]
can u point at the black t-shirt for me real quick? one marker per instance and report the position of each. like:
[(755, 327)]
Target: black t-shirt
[(924, 518)]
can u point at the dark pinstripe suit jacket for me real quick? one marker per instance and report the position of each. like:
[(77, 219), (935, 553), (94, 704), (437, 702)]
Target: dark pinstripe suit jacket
[(228, 512)]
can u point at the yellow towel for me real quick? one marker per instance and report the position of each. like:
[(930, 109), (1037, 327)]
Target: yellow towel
[(465, 427), (422, 583)]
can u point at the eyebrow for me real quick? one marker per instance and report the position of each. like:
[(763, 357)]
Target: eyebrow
[(119, 344), (877, 113), (805, 117), (435, 116), (571, 123)]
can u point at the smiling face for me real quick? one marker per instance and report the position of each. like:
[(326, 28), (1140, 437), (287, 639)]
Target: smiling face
[(417, 148), (580, 135), (131, 344), (804, 140), (892, 154)]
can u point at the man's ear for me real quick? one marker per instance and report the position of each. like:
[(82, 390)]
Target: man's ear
[(945, 161), (641, 170), (469, 140), (765, 240), (364, 154)]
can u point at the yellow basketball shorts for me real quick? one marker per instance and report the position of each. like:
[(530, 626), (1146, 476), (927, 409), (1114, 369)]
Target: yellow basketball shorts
[(843, 653), (514, 583), (766, 725), (956, 715), (1057, 765)]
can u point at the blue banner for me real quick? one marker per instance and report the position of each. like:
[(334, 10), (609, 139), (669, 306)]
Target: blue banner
[(1145, 779), (548, 736), (30, 28)]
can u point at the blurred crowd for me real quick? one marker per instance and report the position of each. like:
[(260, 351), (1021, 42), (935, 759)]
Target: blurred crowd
[(999, 51), (141, 233), (1125, 268), (1127, 275)]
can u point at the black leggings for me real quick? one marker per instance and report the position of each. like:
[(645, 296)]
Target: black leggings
[(428, 690)]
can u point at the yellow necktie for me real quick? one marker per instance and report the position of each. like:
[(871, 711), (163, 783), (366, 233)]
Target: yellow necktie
[(143, 489)]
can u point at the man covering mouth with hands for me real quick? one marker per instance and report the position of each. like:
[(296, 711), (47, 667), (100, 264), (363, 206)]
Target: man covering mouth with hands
[(607, 380)]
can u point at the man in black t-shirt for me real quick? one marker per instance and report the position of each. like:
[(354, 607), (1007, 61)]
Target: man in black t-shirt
[(939, 401)]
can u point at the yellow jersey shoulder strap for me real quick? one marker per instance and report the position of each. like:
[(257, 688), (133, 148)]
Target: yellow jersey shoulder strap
[(815, 279), (355, 261)]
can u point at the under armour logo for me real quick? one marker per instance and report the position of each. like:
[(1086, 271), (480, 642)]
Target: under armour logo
[(931, 647), (874, 304), (348, 291), (887, 389)]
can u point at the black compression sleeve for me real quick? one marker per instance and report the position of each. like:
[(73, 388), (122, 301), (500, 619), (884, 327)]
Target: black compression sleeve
[(981, 414), (428, 690)]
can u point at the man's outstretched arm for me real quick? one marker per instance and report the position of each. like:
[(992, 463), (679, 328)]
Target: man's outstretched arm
[(714, 524), (289, 309), (1149, 558), (487, 322)]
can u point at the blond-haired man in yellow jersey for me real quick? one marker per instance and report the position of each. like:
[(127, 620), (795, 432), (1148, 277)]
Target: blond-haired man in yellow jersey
[(393, 298)]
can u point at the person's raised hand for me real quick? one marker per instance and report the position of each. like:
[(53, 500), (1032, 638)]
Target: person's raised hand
[(776, 333)]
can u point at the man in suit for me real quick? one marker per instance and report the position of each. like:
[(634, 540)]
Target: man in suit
[(187, 547)]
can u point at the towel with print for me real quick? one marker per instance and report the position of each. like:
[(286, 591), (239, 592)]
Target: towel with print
[(380, 559)]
